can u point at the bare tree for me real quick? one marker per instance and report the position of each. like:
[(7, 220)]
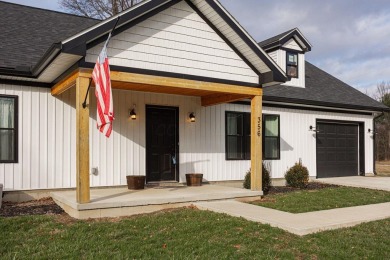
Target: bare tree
[(99, 9), (382, 124)]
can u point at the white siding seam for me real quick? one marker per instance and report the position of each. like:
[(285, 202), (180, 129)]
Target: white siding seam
[(168, 48)]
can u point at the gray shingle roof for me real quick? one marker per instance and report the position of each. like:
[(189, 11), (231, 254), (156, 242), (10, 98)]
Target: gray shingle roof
[(27, 32), (323, 89), (275, 38)]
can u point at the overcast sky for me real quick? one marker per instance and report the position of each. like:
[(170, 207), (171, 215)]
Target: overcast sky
[(350, 38)]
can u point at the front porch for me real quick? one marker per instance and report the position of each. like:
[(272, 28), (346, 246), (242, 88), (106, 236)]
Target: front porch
[(208, 93), (118, 202)]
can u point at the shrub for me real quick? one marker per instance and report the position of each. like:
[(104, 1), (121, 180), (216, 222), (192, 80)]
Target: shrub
[(266, 179), (297, 176)]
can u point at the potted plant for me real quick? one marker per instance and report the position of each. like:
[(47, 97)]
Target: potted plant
[(194, 179), (135, 182)]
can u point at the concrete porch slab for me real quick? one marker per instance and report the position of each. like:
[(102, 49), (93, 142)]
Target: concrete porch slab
[(117, 202), (375, 182)]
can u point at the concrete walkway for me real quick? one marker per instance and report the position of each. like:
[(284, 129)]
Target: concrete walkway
[(303, 223), (375, 182)]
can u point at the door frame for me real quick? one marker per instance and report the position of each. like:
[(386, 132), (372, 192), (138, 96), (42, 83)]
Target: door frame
[(176, 109), (361, 142)]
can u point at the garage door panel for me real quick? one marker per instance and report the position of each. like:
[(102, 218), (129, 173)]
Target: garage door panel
[(337, 150)]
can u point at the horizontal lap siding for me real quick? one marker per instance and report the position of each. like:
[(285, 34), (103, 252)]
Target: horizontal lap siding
[(297, 142), (293, 45), (176, 40)]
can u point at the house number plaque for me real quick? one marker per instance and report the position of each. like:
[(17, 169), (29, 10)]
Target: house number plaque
[(259, 126)]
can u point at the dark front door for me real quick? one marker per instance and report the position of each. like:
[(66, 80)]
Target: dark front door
[(162, 139), (337, 149)]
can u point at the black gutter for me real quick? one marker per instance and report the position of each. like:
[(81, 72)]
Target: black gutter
[(46, 59), (374, 133), (322, 103), (35, 71)]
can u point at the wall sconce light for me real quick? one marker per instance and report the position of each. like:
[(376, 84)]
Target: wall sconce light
[(313, 129), (132, 114), (192, 117), (370, 131)]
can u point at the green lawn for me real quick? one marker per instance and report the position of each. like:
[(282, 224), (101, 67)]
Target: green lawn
[(183, 234), (327, 198)]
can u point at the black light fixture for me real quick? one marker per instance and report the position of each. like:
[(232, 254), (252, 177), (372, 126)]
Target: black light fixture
[(312, 128), (192, 117), (370, 131), (132, 114)]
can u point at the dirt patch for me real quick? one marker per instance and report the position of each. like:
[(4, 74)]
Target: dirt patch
[(311, 186), (383, 168), (45, 206)]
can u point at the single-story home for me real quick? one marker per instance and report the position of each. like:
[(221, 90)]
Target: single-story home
[(193, 92)]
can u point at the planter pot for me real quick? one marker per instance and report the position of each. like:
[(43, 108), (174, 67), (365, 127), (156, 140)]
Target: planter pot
[(135, 182), (194, 179)]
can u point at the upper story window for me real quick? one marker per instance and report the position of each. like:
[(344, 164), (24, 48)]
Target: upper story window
[(292, 64), (8, 129)]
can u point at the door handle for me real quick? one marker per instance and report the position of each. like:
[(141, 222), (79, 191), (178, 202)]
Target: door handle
[(174, 160)]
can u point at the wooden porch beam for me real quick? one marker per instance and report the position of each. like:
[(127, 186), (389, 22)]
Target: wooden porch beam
[(256, 143), (65, 84), (216, 99), (135, 78), (82, 142)]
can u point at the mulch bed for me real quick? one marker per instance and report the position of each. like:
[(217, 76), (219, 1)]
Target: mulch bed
[(310, 186), (45, 206)]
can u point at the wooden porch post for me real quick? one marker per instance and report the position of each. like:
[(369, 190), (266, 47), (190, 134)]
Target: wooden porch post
[(256, 143), (82, 142)]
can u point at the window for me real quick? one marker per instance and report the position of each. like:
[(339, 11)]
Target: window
[(238, 138), (8, 129), (271, 137), (292, 64)]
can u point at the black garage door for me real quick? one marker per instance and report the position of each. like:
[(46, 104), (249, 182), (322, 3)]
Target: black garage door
[(337, 150)]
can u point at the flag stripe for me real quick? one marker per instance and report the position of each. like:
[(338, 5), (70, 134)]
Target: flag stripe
[(103, 93)]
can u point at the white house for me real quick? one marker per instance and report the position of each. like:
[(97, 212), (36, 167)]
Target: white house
[(170, 60)]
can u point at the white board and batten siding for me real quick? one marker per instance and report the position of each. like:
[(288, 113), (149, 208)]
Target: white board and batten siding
[(279, 56), (176, 40), (47, 139), (297, 142)]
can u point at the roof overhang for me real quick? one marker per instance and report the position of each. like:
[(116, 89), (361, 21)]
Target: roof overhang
[(295, 34), (61, 56)]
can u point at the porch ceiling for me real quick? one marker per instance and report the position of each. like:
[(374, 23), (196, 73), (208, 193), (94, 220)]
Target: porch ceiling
[(210, 93)]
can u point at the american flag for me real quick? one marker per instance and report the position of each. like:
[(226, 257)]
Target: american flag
[(101, 77)]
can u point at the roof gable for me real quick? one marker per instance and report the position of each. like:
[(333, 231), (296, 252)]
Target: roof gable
[(177, 40), (281, 39), (209, 10)]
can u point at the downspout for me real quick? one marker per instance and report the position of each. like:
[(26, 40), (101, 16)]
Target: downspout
[(373, 136)]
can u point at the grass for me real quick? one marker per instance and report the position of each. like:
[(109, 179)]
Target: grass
[(328, 198), (183, 234), (382, 168)]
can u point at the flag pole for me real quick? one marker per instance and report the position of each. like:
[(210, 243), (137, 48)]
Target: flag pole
[(90, 80)]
